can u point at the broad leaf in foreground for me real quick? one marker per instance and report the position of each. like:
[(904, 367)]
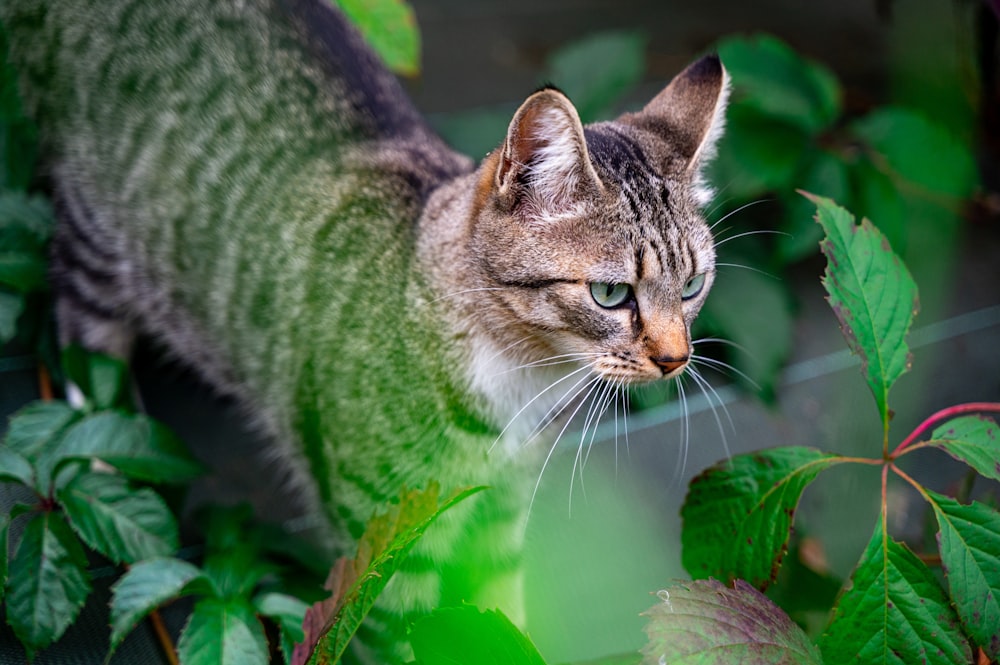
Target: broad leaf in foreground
[(707, 622), (969, 540), (974, 440), (14, 467), (872, 294), (222, 632), (122, 523), (145, 586), (466, 636), (138, 446), (355, 584), (894, 612), (738, 513), (32, 427), (48, 582)]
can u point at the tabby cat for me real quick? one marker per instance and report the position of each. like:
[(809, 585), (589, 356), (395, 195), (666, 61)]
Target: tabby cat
[(244, 181)]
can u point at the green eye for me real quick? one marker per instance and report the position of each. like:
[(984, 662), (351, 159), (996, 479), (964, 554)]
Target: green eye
[(693, 287), (610, 295)]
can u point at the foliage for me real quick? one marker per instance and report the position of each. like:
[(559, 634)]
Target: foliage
[(390, 28), (50, 448), (738, 513)]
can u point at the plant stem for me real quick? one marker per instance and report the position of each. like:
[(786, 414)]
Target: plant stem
[(44, 383), (944, 414), (163, 635)]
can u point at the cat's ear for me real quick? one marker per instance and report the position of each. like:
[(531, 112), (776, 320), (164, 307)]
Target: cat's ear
[(543, 167), (688, 117)]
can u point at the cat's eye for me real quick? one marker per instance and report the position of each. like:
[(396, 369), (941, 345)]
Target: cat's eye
[(610, 295), (693, 287)]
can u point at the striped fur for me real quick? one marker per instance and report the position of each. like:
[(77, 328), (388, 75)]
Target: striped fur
[(243, 181)]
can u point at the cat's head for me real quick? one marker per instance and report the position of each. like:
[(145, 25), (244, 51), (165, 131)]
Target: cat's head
[(592, 239)]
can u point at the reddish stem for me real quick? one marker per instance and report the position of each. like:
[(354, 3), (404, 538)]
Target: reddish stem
[(944, 414)]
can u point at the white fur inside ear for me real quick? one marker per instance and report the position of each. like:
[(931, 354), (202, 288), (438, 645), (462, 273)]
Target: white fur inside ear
[(708, 148), (557, 163)]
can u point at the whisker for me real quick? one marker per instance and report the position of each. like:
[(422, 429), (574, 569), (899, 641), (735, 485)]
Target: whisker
[(681, 465), (552, 360), (751, 233), (533, 400), (577, 461), (756, 270), (708, 390), (556, 409), (740, 209), (720, 340), (719, 366)]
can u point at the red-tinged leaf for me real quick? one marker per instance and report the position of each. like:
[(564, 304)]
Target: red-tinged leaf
[(122, 523), (974, 440), (872, 294), (895, 612), (48, 582), (356, 584), (707, 622), (738, 514), (969, 541), (146, 586)]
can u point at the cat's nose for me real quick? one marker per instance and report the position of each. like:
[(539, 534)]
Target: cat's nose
[(670, 364)]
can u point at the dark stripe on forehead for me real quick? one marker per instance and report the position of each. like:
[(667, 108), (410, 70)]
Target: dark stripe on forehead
[(616, 153)]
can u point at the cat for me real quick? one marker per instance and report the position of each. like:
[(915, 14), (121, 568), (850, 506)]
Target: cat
[(243, 181)]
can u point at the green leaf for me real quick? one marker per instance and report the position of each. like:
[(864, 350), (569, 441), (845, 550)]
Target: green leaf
[(4, 552), (466, 636), (969, 540), (355, 584), (48, 582), (11, 306), (146, 586), (774, 80), (904, 140), (103, 379), (25, 227), (738, 514), (138, 446), (15, 467), (876, 197), (974, 440), (706, 622), (288, 612), (122, 523), (390, 28), (894, 612), (36, 425), (872, 294), (757, 154), (222, 632), (597, 71)]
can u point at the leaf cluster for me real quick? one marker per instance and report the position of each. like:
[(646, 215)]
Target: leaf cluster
[(53, 450), (738, 514)]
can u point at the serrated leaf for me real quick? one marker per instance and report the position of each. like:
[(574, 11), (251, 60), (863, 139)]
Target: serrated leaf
[(596, 71), (466, 636), (34, 426), (288, 612), (894, 612), (390, 28), (138, 446), (773, 79), (11, 306), (48, 582), (146, 586), (969, 541), (15, 467), (355, 584), (706, 622), (222, 632), (738, 514), (122, 523), (974, 440), (872, 294)]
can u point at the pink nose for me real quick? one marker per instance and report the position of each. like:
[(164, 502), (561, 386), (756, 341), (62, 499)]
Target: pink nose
[(668, 364)]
